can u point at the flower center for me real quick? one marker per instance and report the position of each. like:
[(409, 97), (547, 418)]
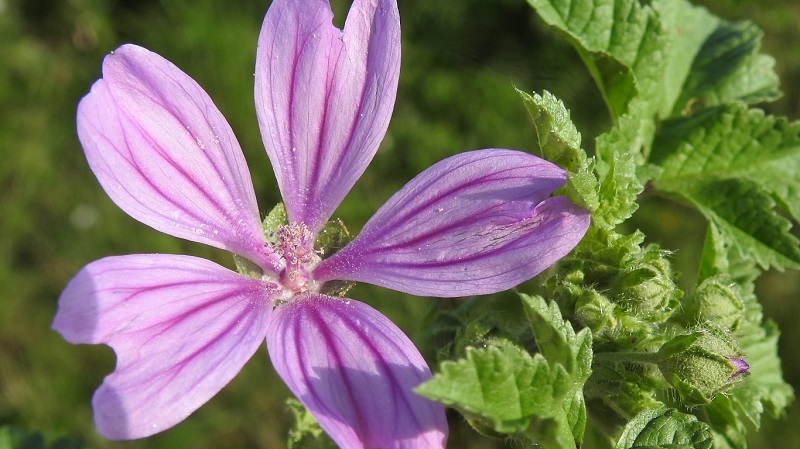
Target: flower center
[(294, 243)]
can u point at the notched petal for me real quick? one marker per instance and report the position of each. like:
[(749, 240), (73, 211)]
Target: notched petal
[(354, 370), (181, 328), (165, 154), (324, 97), (476, 223)]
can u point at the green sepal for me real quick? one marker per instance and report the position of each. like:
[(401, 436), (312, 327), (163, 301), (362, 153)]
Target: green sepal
[(247, 268), (273, 220), (611, 284), (451, 331), (331, 238)]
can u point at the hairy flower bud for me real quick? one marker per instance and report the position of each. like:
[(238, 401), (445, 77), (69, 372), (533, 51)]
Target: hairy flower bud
[(595, 311), (702, 364), (646, 288), (718, 302)]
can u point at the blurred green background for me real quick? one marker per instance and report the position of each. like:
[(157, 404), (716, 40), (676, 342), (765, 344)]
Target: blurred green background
[(461, 60)]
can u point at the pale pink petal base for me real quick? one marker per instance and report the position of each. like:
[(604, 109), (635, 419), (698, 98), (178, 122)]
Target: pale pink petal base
[(476, 223), (355, 370), (181, 328)]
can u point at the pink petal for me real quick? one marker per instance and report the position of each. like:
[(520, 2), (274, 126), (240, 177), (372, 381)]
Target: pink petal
[(476, 223), (324, 98), (181, 327), (354, 370), (165, 154)]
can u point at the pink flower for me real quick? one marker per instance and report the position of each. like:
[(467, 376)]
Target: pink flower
[(182, 327)]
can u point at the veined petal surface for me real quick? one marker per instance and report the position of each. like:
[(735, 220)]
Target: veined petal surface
[(165, 154), (354, 370), (181, 328), (476, 223), (324, 97)]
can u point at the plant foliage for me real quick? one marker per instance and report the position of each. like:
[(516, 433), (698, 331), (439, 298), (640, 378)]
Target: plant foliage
[(614, 353)]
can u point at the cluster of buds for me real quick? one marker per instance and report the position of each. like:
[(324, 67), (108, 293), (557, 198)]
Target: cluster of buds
[(625, 293), (623, 288)]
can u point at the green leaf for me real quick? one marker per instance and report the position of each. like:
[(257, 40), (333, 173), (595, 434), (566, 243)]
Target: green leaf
[(559, 140), (556, 339), (733, 163), (688, 26), (713, 259), (746, 217), (560, 143), (665, 428), (719, 256), (670, 52), (632, 134), (620, 41), (728, 429), (502, 383), (619, 189), (565, 431), (502, 388), (729, 68), (733, 142)]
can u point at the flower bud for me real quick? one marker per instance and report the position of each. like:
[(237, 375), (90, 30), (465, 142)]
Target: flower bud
[(702, 364), (647, 288), (717, 301), (595, 311)]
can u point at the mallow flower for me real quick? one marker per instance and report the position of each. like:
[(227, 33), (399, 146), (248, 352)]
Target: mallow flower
[(182, 327)]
